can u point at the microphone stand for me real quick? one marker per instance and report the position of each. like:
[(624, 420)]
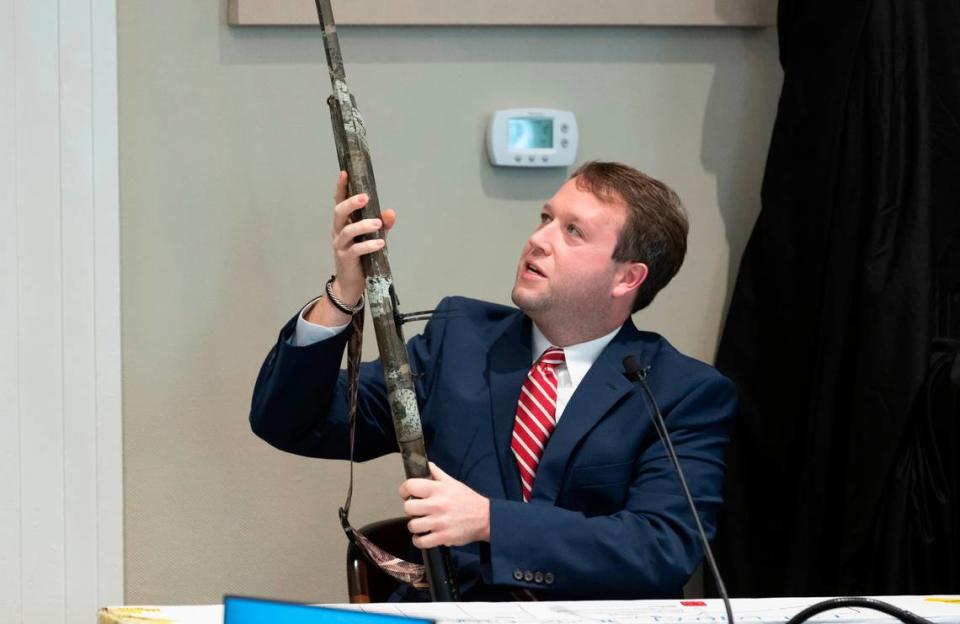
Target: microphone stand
[(636, 373)]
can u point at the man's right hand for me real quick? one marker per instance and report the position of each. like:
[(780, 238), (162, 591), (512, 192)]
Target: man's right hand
[(349, 284)]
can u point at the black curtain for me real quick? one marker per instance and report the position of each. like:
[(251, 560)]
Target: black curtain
[(843, 473)]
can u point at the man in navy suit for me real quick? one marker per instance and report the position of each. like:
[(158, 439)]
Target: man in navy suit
[(547, 472)]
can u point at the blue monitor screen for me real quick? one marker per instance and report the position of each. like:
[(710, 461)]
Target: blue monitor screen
[(530, 132), (240, 610)]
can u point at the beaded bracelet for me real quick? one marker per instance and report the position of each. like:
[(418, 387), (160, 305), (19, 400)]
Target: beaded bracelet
[(338, 303)]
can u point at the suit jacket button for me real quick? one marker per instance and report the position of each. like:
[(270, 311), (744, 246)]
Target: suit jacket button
[(518, 574), (548, 578), (528, 576), (538, 577)]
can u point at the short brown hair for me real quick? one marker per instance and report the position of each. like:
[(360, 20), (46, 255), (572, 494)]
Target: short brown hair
[(656, 229)]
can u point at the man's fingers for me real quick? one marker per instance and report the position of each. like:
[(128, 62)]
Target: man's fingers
[(389, 218), (416, 507), (348, 205), (361, 249), (430, 540), (345, 236), (420, 488), (420, 525), (345, 208), (436, 473), (340, 193)]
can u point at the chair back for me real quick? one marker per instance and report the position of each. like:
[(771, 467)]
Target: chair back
[(365, 581)]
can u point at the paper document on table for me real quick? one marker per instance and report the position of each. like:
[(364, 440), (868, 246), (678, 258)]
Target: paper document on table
[(754, 611), (193, 614), (940, 609)]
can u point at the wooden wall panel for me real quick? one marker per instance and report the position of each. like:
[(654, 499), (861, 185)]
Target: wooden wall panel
[(509, 12)]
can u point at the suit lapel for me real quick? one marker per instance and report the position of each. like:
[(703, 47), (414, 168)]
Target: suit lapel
[(509, 361), (602, 387)]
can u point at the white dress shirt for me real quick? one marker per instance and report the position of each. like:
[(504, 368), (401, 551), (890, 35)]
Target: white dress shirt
[(578, 358), (307, 333)]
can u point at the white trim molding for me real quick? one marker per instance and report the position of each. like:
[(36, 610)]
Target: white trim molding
[(508, 12), (61, 494)]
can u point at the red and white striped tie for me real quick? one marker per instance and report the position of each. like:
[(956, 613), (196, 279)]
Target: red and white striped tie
[(536, 416)]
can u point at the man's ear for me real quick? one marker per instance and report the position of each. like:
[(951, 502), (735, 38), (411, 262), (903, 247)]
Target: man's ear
[(630, 276)]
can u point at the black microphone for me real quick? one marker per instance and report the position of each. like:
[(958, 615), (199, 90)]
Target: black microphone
[(634, 372)]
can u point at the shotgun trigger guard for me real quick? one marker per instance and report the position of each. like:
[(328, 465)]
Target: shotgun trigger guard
[(397, 317)]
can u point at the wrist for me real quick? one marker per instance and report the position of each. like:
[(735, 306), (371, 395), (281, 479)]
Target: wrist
[(347, 294), (337, 300), (323, 312)]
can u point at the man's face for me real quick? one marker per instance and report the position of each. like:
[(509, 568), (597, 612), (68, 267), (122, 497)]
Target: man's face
[(567, 272)]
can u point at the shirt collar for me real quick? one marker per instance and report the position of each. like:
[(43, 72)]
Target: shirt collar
[(579, 357)]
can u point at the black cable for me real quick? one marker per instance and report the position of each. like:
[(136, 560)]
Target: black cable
[(635, 372), (867, 603)]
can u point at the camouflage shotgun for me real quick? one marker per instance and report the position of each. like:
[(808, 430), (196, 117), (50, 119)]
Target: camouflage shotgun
[(354, 156)]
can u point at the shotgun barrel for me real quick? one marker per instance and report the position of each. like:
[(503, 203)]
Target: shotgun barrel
[(354, 155)]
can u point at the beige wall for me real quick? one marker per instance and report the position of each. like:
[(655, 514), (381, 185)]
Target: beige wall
[(226, 171)]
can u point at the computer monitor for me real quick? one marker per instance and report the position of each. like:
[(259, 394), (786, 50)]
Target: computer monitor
[(245, 610)]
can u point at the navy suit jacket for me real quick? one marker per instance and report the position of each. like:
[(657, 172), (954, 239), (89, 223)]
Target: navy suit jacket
[(607, 517)]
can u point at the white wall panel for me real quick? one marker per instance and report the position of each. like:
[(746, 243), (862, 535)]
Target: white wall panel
[(9, 337), (39, 299), (79, 346), (60, 449), (106, 244)]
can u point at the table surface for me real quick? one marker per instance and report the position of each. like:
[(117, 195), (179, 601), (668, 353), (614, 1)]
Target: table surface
[(941, 608)]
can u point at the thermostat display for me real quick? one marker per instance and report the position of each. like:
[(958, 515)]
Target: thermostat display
[(527, 132), (529, 137)]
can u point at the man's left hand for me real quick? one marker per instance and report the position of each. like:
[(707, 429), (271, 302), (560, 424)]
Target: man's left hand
[(444, 512)]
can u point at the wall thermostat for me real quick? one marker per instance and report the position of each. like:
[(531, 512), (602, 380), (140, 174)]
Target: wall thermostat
[(532, 137)]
